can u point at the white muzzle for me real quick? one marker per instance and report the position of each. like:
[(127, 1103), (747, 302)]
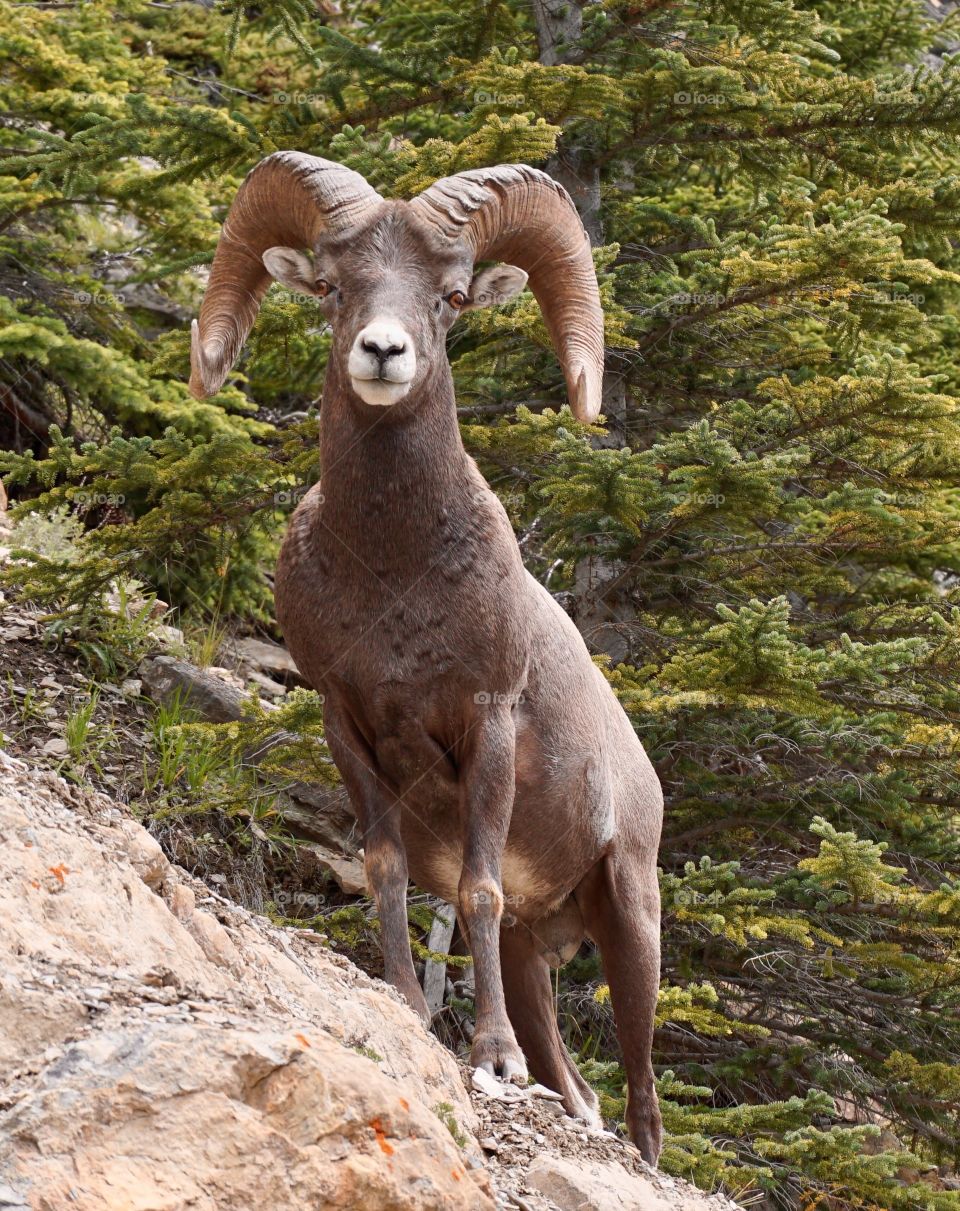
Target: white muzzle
[(382, 362)]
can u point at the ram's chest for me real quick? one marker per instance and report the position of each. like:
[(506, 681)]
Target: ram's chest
[(332, 627), (372, 612), (383, 637)]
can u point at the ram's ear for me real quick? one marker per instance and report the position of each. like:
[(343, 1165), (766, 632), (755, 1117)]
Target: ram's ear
[(292, 269), (496, 285)]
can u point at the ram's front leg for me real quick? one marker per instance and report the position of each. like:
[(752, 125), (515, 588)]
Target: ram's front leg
[(385, 860), (486, 804)]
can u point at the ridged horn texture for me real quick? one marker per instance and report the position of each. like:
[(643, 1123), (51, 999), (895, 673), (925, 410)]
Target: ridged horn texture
[(288, 199), (518, 214)]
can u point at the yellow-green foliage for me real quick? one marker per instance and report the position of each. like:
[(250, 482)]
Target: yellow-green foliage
[(773, 511)]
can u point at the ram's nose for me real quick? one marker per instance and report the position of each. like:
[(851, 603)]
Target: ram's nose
[(384, 343)]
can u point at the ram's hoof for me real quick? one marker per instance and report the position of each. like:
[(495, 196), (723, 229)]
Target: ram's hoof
[(499, 1057)]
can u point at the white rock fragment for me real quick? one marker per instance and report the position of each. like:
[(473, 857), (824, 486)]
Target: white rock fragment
[(483, 1082), (544, 1092)]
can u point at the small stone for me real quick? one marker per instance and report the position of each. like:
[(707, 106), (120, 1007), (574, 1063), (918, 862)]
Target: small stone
[(10, 1198), (169, 637), (182, 902), (56, 748), (489, 1144), (225, 675), (483, 1082), (266, 685), (543, 1092)]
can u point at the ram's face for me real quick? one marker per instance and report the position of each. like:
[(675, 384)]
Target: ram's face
[(391, 294)]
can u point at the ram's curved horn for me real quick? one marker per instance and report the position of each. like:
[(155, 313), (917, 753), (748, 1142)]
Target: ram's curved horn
[(288, 199), (519, 214)]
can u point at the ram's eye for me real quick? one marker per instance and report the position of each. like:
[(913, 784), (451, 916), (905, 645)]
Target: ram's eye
[(323, 287), (457, 299)]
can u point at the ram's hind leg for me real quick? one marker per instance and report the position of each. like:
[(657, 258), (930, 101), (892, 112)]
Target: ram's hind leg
[(620, 902), (526, 981)]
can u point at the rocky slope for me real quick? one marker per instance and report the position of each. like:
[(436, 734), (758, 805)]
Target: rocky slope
[(162, 1049)]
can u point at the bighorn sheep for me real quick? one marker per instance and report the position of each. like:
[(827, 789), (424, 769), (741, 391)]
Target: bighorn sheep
[(484, 753)]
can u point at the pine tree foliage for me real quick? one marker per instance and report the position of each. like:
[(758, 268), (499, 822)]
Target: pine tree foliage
[(774, 190)]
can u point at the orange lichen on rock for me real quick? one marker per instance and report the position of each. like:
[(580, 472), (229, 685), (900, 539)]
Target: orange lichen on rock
[(385, 1145)]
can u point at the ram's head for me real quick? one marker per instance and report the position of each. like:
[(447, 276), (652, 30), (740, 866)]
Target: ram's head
[(394, 276)]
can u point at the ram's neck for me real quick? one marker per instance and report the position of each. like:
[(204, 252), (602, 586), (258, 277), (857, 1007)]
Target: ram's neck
[(394, 479)]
